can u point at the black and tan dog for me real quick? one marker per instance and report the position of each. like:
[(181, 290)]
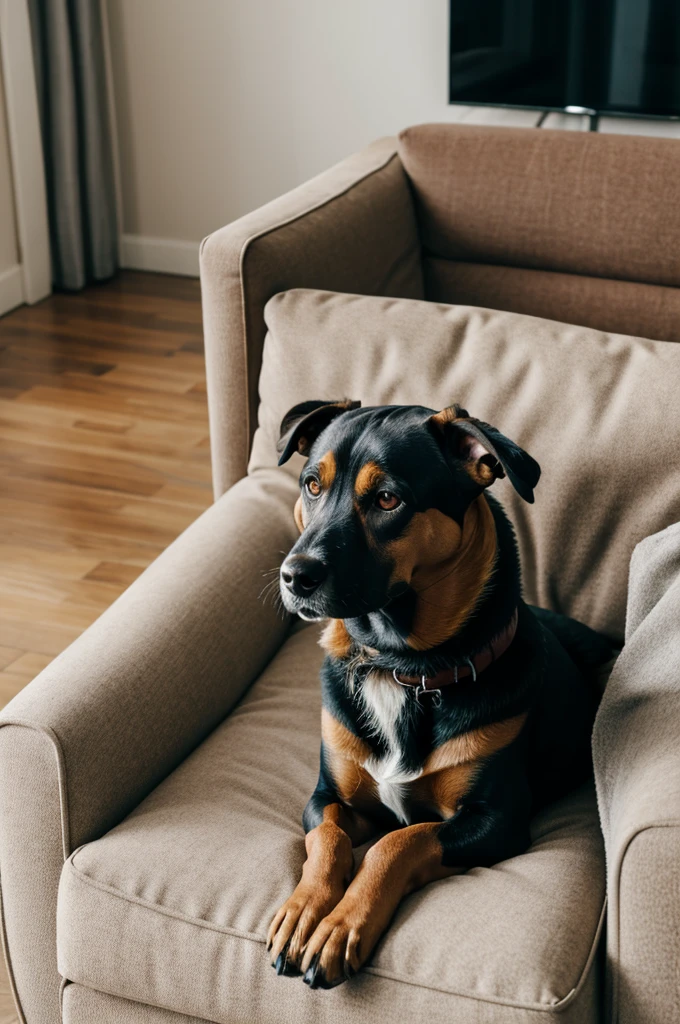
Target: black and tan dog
[(451, 710)]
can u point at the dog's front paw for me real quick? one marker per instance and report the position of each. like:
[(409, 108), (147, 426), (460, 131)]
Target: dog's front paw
[(295, 921), (340, 945)]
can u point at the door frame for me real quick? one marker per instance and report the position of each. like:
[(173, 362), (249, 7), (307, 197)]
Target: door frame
[(25, 148)]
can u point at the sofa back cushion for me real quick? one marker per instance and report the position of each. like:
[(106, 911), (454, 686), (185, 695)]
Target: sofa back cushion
[(600, 412), (577, 226)]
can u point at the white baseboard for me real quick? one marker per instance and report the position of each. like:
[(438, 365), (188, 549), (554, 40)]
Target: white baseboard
[(11, 288), (164, 255)]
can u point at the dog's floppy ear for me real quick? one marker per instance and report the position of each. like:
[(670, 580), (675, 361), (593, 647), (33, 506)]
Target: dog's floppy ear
[(485, 452), (302, 424)]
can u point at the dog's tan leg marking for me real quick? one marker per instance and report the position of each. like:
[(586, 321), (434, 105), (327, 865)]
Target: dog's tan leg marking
[(346, 754), (399, 863), (325, 876)]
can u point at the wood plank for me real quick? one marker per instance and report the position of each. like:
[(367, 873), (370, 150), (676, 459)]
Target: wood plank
[(65, 614), (29, 664), (160, 448), (197, 496), (8, 655), (94, 394), (64, 564), (129, 481), (115, 572), (8, 1014), (10, 685), (56, 537), (158, 378), (41, 587), (154, 524), (44, 639)]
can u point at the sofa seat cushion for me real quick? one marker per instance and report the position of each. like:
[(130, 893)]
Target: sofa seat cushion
[(600, 412), (171, 907)]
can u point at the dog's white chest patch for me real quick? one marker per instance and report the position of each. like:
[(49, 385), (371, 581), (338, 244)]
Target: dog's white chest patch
[(383, 705)]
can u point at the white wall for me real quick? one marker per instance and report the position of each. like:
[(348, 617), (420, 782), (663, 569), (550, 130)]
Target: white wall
[(224, 104)]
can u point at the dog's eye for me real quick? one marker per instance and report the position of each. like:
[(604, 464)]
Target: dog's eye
[(313, 487), (387, 501)]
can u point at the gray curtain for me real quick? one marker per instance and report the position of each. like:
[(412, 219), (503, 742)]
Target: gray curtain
[(68, 43)]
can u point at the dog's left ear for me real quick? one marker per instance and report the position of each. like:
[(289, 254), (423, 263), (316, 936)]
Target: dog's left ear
[(302, 424), (486, 454)]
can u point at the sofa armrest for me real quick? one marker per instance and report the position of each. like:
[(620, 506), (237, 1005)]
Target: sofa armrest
[(637, 768), (83, 743), (351, 229)]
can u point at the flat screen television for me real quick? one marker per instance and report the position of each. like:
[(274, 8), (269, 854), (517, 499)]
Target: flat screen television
[(595, 56)]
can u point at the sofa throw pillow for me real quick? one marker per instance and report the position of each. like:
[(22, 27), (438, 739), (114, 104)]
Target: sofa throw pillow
[(600, 412)]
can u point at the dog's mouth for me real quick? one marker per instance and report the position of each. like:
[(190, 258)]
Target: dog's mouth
[(310, 614), (310, 609), (316, 610), (333, 607)]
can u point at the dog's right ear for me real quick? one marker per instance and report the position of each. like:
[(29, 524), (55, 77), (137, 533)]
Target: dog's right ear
[(302, 424), (485, 452)]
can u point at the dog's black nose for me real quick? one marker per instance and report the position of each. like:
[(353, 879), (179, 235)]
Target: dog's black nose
[(303, 574)]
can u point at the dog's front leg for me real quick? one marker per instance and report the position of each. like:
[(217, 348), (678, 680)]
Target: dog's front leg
[(400, 862), (325, 876)]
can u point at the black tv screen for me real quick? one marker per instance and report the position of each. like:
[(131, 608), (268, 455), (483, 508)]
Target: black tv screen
[(606, 56)]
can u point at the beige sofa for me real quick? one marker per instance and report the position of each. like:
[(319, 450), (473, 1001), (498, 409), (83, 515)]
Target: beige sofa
[(153, 777)]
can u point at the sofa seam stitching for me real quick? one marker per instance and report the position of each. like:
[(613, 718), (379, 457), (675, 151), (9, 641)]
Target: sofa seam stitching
[(555, 1007), (138, 1002), (199, 922), (615, 931), (544, 270), (8, 963), (65, 839), (64, 808)]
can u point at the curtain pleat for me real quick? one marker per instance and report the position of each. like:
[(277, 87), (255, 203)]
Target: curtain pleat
[(68, 42)]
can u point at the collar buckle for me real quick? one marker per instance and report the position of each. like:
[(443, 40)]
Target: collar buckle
[(436, 695), (422, 688)]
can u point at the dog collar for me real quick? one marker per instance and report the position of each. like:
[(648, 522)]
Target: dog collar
[(432, 685)]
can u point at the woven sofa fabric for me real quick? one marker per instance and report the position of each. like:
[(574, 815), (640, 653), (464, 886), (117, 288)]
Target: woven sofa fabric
[(575, 202), (85, 1006), (31, 860), (352, 229), (82, 1005), (172, 906), (621, 307), (635, 746), (112, 715), (597, 411)]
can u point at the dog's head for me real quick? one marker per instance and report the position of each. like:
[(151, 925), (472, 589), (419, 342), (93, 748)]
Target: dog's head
[(384, 497)]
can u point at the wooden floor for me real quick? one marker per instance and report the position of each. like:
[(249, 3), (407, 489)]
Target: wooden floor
[(104, 459), (104, 454), (8, 1014)]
